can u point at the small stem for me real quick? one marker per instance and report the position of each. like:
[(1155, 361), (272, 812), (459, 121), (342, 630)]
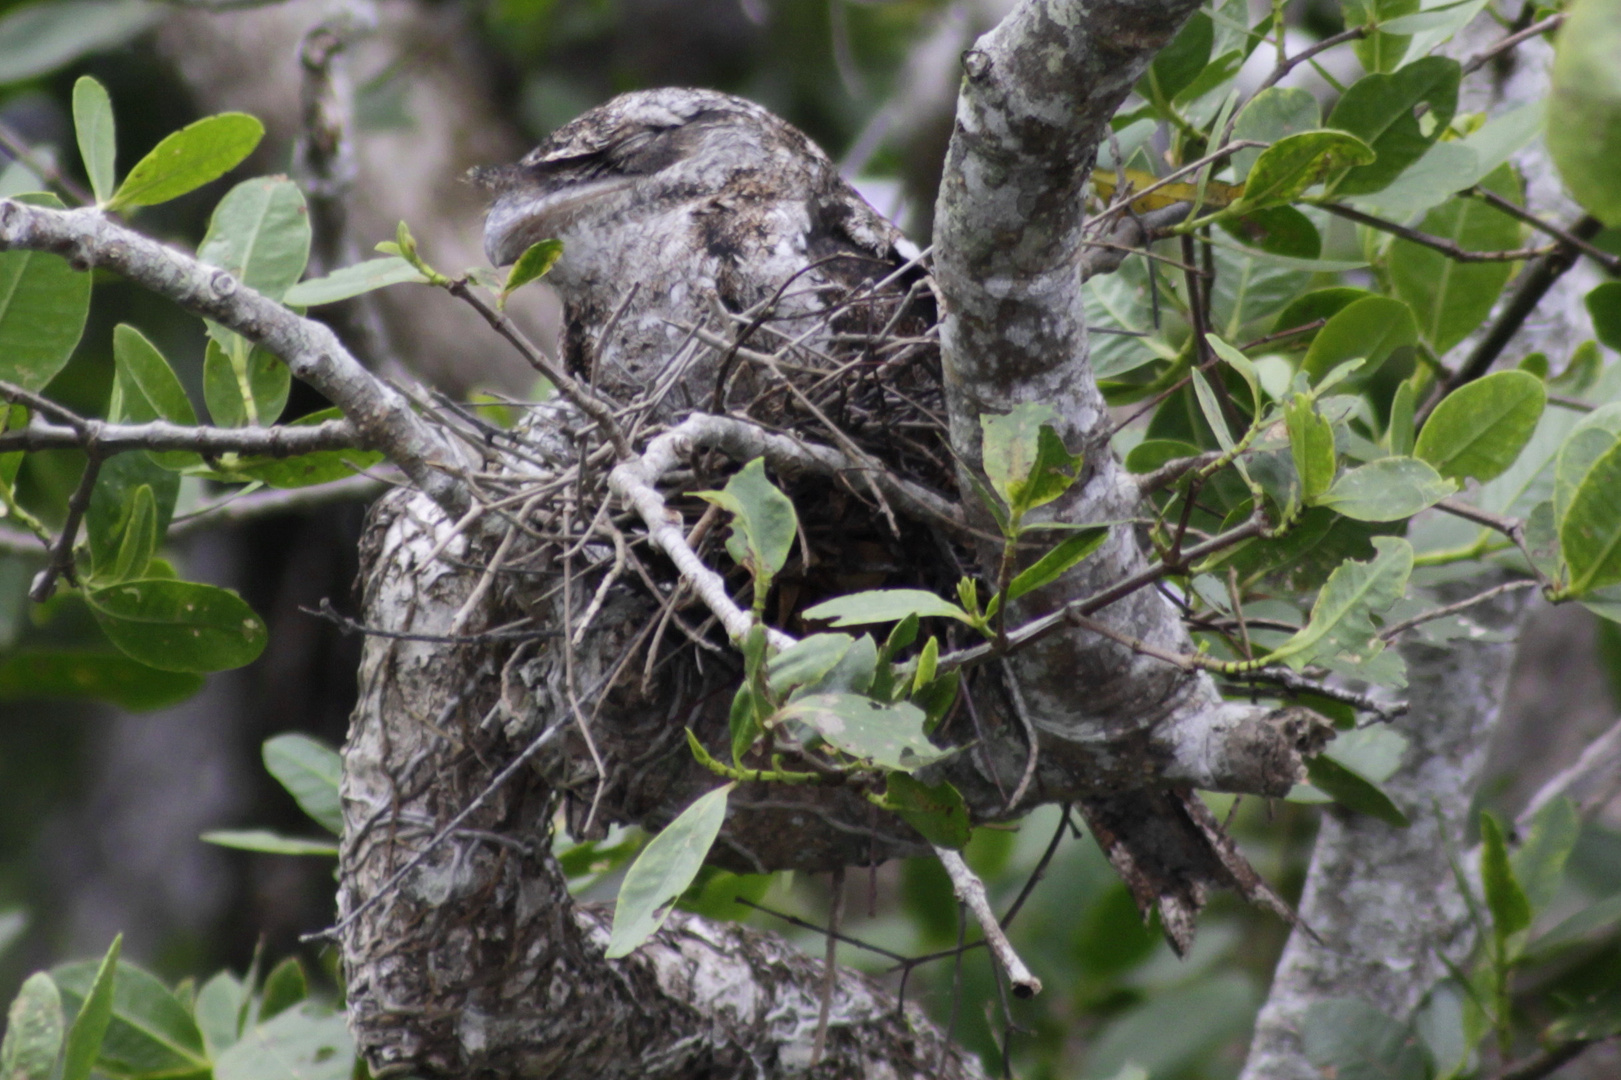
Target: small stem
[(61, 564), (971, 892)]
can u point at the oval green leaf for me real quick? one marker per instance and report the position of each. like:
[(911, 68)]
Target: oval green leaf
[(1590, 534), (1382, 110), (178, 625), (189, 158), (1368, 329), (93, 125), (935, 810), (352, 281), (891, 736), (1388, 489), (1480, 428), (1585, 142), (34, 1030), (43, 306), (310, 771), (663, 870), (1296, 162), (884, 605), (1350, 788)]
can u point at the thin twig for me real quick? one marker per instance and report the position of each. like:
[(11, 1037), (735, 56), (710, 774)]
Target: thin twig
[(1610, 262), (1446, 247), (971, 892), (830, 971), (61, 564), (1475, 63), (1394, 630)]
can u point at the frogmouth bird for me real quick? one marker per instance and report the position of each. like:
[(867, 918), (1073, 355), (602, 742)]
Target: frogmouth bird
[(681, 210)]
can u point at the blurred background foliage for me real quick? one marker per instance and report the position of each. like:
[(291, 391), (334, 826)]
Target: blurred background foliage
[(100, 809)]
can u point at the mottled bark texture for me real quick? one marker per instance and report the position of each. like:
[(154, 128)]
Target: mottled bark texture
[(1383, 901), (1010, 240), (480, 964)]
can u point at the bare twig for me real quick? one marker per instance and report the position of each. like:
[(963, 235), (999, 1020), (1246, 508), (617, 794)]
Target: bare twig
[(1394, 630), (61, 564), (1446, 247), (971, 892), (1486, 56)]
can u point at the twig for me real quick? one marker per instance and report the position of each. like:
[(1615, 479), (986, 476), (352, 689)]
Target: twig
[(1592, 781), (18, 148), (806, 924), (280, 441), (354, 626), (1446, 247), (829, 964), (1394, 630), (1545, 1062), (1611, 263), (240, 509), (971, 892), (1534, 284), (1488, 55), (1289, 64), (1032, 742), (61, 564), (1124, 199), (580, 395)]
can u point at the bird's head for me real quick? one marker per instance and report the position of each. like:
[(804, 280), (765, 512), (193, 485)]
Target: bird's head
[(625, 164)]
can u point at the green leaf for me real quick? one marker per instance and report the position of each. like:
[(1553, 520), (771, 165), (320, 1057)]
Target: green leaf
[(1210, 408), (150, 390), (43, 306), (1271, 115), (226, 375), (937, 811), (1539, 863), (1350, 788), (39, 38), (89, 1028), (1373, 753), (1585, 139), (1589, 439), (263, 840), (1590, 1017), (1381, 110), (764, 523), (93, 125), (535, 263), (806, 661), (285, 987), (1024, 459), (1051, 566), (1590, 532), (178, 625), (1277, 230), (306, 1043), (310, 771), (1604, 305), (1400, 437), (259, 234), (93, 676), (1481, 427), (1379, 50), (108, 518), (1296, 162), (1351, 1040), (890, 736), (1308, 308), (884, 605), (140, 538), (191, 157), (1369, 329), (1341, 620), (663, 870), (1453, 298), (34, 1031), (1511, 911), (351, 281), (1179, 63), (149, 1032), (219, 1012), (1311, 444), (1389, 489), (1587, 924)]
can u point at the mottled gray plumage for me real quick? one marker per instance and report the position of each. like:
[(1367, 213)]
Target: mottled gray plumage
[(684, 196)]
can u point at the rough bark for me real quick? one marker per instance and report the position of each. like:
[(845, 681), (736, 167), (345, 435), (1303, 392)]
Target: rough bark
[(1010, 238), (1383, 901), (480, 964)]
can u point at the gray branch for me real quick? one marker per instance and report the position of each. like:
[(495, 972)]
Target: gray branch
[(280, 442), (381, 416)]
